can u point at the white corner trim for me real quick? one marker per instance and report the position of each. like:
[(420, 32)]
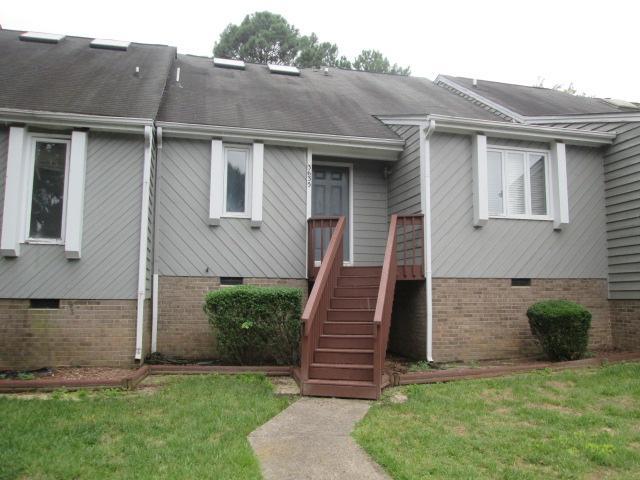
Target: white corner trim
[(480, 185), (309, 180), (480, 98), (257, 184), (560, 194), (216, 182), (144, 238), (491, 128), (74, 120), (154, 314), (13, 193), (75, 195), (426, 131)]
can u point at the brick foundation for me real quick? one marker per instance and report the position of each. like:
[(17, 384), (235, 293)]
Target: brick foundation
[(480, 319), (79, 333), (183, 329), (625, 324)]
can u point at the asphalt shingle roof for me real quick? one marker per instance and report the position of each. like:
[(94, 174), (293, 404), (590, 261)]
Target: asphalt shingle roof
[(343, 102), (71, 77), (537, 101)]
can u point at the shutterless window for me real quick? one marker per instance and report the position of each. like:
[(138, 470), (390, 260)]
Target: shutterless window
[(48, 182), (236, 179), (517, 183)]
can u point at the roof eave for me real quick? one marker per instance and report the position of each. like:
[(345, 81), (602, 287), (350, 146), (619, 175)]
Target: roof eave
[(517, 131), (321, 144), (49, 119)]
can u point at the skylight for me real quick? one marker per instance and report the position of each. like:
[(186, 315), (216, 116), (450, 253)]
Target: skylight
[(621, 103), (227, 63), (283, 69), (110, 44), (41, 37)]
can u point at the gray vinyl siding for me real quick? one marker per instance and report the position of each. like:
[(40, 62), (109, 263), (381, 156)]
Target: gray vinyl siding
[(188, 246), (622, 191), (370, 220), (108, 268), (515, 248), (404, 180), (151, 221)]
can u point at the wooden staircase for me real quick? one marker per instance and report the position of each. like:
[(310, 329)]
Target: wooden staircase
[(347, 318), (342, 361)]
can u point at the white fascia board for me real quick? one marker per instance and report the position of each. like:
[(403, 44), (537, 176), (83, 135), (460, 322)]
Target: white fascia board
[(560, 192), (75, 195), (586, 118), (216, 182), (13, 193), (480, 185), (517, 131), (475, 95), (340, 145), (257, 184), (75, 120)]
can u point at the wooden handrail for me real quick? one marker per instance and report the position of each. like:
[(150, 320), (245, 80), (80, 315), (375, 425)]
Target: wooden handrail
[(321, 223), (315, 311)]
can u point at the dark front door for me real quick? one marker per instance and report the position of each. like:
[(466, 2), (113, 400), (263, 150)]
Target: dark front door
[(330, 197)]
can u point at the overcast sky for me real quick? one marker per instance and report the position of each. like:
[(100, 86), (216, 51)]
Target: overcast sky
[(594, 44)]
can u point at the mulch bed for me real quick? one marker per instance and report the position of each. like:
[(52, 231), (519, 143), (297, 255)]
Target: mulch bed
[(498, 369)]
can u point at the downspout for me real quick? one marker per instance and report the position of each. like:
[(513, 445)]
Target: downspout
[(425, 162), (144, 237), (156, 228)]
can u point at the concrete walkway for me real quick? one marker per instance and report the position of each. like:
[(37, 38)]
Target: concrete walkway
[(311, 440)]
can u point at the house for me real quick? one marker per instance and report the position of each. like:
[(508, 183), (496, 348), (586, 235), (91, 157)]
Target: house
[(423, 216)]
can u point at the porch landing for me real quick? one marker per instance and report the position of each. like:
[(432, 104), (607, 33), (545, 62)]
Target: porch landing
[(312, 440)]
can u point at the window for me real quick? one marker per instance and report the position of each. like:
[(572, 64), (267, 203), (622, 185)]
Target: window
[(518, 185), (237, 176), (47, 192)]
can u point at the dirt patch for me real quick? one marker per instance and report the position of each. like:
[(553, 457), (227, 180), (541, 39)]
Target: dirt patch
[(398, 397), (493, 395), (554, 408), (502, 411), (460, 431), (560, 385), (284, 386), (75, 373)]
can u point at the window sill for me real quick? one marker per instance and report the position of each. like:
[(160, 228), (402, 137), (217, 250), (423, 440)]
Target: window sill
[(42, 241), (522, 217), (241, 216)]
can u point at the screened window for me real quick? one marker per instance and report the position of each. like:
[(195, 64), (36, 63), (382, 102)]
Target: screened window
[(46, 214), (517, 183), (236, 181)]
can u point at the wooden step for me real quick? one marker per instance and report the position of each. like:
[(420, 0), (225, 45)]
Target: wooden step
[(353, 303), (348, 328), (350, 315), (356, 292), (341, 371), (355, 281), (346, 341), (340, 388), (361, 272), (344, 355)]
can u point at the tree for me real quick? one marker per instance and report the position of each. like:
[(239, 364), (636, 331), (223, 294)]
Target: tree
[(314, 54), (265, 37), (262, 37), (375, 61)]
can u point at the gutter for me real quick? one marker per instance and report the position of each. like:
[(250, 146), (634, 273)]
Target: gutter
[(425, 171), (492, 128), (75, 120), (144, 238), (305, 139)]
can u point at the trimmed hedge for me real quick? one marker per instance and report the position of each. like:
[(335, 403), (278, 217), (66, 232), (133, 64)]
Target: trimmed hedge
[(256, 325), (561, 327)]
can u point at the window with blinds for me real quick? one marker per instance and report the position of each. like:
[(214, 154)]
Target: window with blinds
[(518, 185)]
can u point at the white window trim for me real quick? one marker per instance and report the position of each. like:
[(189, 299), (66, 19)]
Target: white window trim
[(503, 150), (32, 139), (247, 181)]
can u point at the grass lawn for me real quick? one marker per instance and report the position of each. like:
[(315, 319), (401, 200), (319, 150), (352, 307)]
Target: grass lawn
[(193, 427), (579, 424)]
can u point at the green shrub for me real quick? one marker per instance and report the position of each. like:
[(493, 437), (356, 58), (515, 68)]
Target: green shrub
[(256, 325), (562, 327)]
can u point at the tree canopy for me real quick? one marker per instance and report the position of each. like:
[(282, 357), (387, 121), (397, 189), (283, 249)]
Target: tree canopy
[(265, 37)]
